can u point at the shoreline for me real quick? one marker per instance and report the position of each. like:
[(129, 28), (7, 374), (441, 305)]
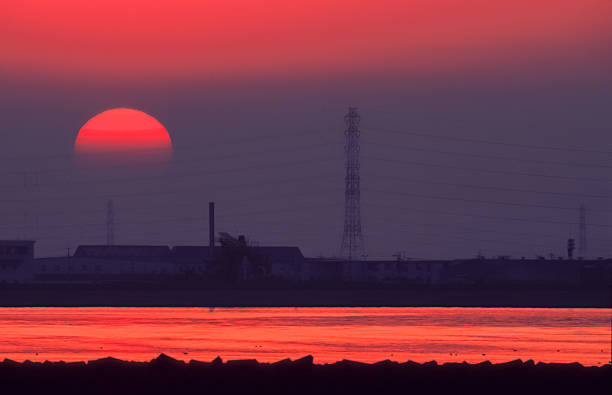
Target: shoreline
[(305, 361), (284, 295)]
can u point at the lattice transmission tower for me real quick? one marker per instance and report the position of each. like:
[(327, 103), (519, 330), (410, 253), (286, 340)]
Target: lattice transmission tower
[(352, 240), (110, 222), (582, 242)]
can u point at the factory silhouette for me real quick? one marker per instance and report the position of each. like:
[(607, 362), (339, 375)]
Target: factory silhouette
[(228, 259), (232, 259)]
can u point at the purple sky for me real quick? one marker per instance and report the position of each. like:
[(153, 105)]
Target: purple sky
[(268, 149)]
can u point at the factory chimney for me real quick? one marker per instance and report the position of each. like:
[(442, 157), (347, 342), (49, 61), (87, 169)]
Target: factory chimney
[(211, 229)]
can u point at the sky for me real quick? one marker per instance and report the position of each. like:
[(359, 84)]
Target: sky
[(484, 124)]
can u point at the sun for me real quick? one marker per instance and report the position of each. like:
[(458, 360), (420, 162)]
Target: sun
[(123, 134)]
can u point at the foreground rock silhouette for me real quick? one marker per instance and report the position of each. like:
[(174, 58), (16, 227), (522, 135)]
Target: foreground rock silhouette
[(165, 375)]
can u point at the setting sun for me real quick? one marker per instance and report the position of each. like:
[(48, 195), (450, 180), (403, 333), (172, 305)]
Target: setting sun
[(124, 131)]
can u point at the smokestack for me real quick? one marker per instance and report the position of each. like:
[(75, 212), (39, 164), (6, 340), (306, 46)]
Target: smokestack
[(211, 229)]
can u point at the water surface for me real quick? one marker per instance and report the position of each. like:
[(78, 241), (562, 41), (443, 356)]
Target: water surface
[(329, 334)]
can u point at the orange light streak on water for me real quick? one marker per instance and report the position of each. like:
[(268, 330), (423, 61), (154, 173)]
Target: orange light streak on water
[(329, 334)]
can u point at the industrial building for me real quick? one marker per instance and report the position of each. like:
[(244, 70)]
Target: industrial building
[(100, 263), (15, 256), (238, 262), (104, 263)]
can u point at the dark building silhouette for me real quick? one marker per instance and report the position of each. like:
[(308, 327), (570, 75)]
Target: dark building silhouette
[(14, 256)]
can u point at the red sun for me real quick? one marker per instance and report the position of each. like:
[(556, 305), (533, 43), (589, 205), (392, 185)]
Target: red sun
[(124, 134)]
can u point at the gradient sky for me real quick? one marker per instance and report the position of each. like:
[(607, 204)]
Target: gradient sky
[(253, 95), (170, 40)]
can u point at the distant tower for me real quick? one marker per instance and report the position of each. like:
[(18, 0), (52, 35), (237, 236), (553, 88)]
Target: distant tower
[(582, 246), (110, 222), (352, 240), (570, 248), (211, 229)]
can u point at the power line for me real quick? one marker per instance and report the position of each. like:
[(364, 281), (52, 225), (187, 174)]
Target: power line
[(491, 142), (199, 160), (196, 148), (485, 156), (195, 172), (505, 189), (512, 219), (173, 191), (490, 171), (476, 200), (184, 219), (465, 228), (460, 237)]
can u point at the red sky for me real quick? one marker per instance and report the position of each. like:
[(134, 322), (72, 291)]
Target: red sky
[(176, 39)]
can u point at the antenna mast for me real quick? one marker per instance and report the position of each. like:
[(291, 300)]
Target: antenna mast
[(582, 246), (110, 222)]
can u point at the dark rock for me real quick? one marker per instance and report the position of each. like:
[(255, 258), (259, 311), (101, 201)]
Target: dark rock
[(348, 364), (387, 363), (455, 365), (165, 361), (199, 364), (243, 363), (304, 362), (430, 364), (105, 362), (483, 364), (282, 363), (529, 363), (410, 364), (516, 363), (169, 376), (217, 361)]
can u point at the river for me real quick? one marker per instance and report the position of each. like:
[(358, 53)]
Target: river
[(329, 334)]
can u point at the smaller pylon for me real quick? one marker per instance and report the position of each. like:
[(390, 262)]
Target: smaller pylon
[(582, 242), (110, 222)]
